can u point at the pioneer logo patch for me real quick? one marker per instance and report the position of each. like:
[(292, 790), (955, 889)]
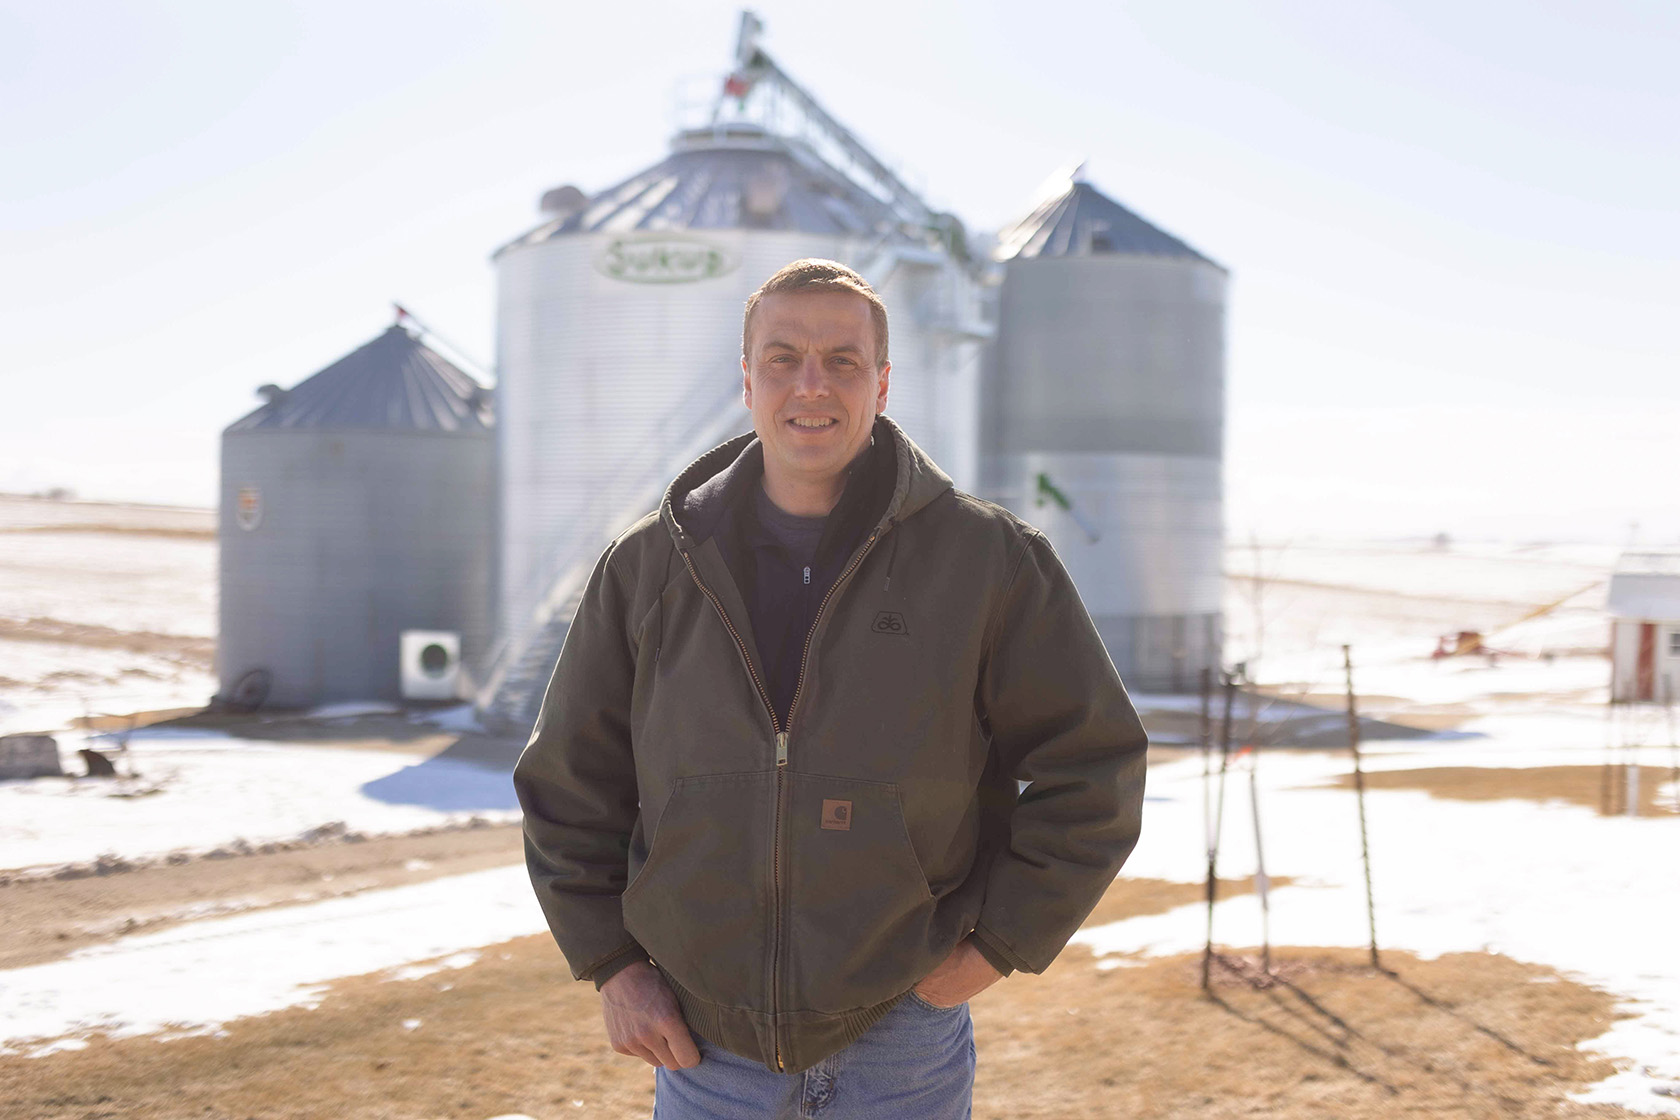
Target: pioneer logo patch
[(837, 815), (891, 622)]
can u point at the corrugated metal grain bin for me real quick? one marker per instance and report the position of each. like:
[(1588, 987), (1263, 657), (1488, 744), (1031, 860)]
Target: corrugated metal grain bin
[(355, 506), (619, 335), (1103, 405)]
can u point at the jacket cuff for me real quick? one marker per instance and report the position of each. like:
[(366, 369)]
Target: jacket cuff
[(617, 962), (996, 953)]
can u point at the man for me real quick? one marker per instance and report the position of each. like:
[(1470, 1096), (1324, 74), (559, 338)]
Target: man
[(773, 800)]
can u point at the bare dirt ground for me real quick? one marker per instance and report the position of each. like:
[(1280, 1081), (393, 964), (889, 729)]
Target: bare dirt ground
[(1472, 1035), (1591, 786), (186, 649), (166, 531), (1317, 727), (104, 607), (366, 732), (1421, 717), (47, 918), (22, 513)]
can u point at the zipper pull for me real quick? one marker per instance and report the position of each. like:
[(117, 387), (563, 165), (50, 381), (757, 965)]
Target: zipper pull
[(781, 748), (807, 574)]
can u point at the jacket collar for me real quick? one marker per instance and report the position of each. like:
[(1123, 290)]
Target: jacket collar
[(695, 502)]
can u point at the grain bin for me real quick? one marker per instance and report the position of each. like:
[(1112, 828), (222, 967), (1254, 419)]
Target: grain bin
[(619, 331), (1103, 403), (354, 506)]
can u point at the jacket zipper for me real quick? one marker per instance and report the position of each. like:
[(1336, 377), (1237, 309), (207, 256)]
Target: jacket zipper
[(781, 758), (776, 842), (781, 738)]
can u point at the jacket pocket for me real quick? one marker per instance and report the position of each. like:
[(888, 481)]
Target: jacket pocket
[(917, 1000), (859, 912), (700, 904)]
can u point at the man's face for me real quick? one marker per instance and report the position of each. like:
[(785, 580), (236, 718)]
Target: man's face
[(811, 382)]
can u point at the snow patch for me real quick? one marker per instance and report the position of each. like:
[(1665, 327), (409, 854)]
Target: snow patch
[(428, 968), (1551, 884), (209, 792), (193, 978), (348, 709)]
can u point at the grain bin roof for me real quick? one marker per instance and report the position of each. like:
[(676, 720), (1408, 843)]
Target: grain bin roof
[(1081, 221), (393, 383), (734, 177)]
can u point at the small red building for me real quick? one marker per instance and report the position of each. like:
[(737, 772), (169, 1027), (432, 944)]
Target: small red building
[(1644, 606)]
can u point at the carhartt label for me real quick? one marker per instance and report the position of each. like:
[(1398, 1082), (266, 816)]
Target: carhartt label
[(837, 814), (891, 622)]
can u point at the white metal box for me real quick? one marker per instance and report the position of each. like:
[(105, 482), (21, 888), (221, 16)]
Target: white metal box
[(431, 665)]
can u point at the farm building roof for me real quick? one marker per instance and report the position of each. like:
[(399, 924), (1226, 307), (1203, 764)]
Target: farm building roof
[(1081, 221), (395, 382), (1646, 585), (735, 177)]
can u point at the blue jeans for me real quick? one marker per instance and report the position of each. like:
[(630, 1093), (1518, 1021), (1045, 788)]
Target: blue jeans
[(915, 1063)]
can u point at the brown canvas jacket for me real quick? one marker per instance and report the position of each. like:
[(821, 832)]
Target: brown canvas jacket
[(792, 882)]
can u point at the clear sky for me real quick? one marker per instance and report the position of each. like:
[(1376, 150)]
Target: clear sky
[(1453, 227)]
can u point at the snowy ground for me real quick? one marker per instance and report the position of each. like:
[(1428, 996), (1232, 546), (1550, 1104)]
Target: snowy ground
[(194, 977), (197, 792), (1551, 883), (103, 609), (1291, 607)]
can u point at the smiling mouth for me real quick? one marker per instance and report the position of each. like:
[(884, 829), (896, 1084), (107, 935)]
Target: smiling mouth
[(813, 423)]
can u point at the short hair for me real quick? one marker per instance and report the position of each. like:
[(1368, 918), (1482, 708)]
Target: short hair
[(814, 274)]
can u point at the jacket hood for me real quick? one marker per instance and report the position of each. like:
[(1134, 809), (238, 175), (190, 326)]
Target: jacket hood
[(695, 501)]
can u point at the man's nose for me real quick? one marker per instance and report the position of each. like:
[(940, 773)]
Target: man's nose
[(813, 379)]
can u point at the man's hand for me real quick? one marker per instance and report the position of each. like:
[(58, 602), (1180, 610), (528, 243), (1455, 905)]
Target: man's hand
[(644, 1021), (959, 977)]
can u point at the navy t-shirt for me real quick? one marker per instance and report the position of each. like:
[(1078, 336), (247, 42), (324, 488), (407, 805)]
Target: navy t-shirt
[(785, 564)]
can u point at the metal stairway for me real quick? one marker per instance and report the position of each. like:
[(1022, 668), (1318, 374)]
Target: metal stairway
[(524, 659)]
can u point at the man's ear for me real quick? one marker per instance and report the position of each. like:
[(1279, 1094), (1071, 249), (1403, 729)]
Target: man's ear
[(746, 384), (881, 388)]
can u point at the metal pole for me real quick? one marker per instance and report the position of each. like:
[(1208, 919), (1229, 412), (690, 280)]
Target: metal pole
[(1633, 782), (1673, 744), (1261, 883), (1605, 807), (1359, 790), (1218, 821), (1205, 734), (1624, 734)]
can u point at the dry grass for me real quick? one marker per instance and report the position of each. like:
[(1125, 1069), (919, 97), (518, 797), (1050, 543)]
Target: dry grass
[(172, 532), (1578, 785), (1131, 898), (46, 918), (1472, 1035), (1467, 1036), (373, 731), (1425, 717), (184, 649), (130, 721)]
